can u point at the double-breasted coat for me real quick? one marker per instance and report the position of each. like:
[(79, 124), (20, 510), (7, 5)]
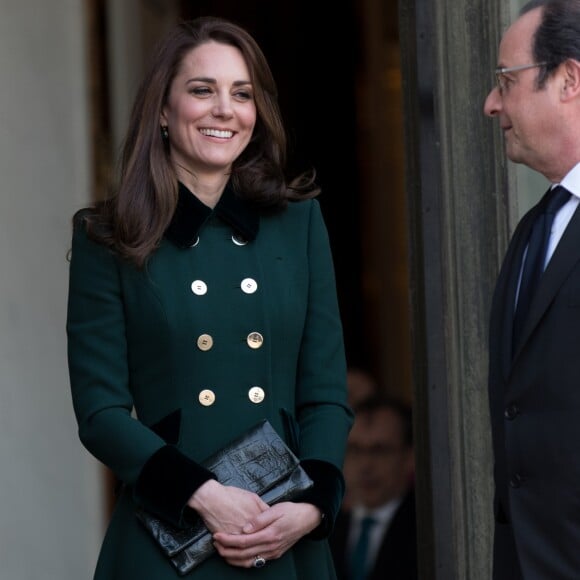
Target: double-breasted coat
[(535, 412), (233, 320)]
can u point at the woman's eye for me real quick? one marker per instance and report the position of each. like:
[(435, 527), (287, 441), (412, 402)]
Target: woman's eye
[(243, 95), (201, 91)]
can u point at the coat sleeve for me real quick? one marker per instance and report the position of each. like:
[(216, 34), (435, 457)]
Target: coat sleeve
[(161, 477), (324, 417)]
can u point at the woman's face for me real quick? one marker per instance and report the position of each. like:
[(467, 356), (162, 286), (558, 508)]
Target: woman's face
[(210, 112)]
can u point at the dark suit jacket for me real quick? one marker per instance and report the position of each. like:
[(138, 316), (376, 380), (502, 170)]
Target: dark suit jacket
[(534, 396), (397, 557)]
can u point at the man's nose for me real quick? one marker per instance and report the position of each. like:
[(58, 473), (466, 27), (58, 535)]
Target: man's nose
[(492, 103)]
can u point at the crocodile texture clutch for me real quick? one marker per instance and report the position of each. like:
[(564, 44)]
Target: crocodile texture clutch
[(258, 461)]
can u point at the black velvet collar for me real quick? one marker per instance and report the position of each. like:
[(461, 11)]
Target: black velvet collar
[(190, 214)]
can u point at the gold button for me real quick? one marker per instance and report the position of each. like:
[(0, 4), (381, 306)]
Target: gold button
[(239, 240), (255, 340), (249, 285), (256, 395), (199, 287), (204, 342), (206, 397)]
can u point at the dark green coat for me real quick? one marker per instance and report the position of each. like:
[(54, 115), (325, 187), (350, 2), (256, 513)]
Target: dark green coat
[(138, 368)]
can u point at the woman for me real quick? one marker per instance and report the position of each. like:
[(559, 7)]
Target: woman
[(202, 300)]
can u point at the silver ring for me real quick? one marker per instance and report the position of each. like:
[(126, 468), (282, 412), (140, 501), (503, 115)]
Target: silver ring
[(259, 562)]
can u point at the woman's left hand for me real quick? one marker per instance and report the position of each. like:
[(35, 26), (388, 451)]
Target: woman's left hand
[(269, 534)]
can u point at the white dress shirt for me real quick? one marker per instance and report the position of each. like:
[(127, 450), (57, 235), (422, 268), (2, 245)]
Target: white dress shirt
[(572, 183), (562, 218)]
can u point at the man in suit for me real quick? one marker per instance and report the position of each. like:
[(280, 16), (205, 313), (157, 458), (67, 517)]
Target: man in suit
[(534, 373), (376, 537)]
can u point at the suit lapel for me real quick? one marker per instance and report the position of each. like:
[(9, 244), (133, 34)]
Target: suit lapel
[(397, 554), (507, 287), (566, 256)]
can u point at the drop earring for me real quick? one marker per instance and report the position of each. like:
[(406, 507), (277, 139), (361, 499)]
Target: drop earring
[(164, 132)]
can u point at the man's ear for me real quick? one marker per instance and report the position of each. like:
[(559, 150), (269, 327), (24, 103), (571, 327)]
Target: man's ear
[(571, 87)]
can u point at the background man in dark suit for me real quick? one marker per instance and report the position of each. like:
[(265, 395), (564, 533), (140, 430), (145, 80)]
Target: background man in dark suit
[(376, 537), (534, 378)]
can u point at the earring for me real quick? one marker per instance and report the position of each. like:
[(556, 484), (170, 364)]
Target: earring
[(164, 132)]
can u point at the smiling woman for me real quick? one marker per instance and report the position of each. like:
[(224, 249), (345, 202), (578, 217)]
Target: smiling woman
[(202, 301), (209, 117)]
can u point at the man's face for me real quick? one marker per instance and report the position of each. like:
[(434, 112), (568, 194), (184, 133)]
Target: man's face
[(379, 464), (527, 115)]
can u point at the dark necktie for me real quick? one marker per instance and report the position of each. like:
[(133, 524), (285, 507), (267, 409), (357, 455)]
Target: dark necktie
[(536, 256), (358, 563)]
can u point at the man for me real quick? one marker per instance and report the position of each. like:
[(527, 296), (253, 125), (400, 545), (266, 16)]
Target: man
[(361, 385), (534, 375), (376, 538)]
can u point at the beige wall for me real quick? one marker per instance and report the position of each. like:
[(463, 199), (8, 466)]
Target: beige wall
[(52, 508), (50, 493), (134, 28)]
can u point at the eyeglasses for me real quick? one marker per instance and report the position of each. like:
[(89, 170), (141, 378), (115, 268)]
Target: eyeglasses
[(503, 81)]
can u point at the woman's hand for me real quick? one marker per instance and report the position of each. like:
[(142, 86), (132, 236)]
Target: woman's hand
[(225, 508), (268, 534)]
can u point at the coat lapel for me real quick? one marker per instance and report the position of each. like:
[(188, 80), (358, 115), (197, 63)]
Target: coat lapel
[(507, 288), (566, 256)]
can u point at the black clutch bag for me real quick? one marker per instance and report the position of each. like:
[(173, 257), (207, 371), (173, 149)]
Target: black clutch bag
[(258, 461)]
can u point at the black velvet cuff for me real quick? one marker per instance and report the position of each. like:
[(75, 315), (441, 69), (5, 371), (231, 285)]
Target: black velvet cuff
[(326, 494), (166, 483)]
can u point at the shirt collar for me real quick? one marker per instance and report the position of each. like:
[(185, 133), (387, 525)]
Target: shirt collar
[(571, 181), (190, 215), (381, 514)]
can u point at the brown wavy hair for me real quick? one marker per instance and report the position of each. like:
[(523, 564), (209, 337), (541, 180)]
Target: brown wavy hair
[(133, 220)]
